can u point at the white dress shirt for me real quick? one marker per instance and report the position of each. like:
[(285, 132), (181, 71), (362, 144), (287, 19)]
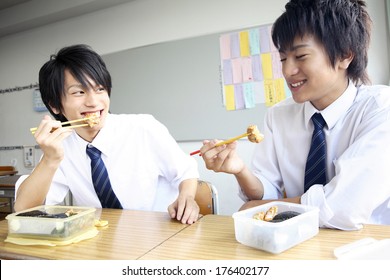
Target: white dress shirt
[(358, 156), (144, 163)]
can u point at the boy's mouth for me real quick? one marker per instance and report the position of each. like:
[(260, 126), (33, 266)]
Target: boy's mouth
[(297, 84)]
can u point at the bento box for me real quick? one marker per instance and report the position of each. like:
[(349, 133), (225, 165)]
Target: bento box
[(276, 237), (51, 222)]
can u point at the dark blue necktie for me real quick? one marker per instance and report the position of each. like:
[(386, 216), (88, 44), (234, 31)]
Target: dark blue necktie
[(101, 181), (315, 172)]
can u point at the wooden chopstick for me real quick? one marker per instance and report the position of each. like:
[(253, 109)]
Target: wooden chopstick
[(231, 140), (78, 125), (195, 152), (228, 141), (33, 129)]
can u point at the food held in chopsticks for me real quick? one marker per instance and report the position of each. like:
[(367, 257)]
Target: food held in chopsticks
[(252, 133), (91, 120)]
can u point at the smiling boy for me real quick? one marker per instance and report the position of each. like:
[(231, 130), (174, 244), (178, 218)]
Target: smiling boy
[(146, 168), (323, 48)]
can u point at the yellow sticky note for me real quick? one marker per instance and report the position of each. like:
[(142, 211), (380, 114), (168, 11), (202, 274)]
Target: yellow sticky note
[(266, 63), (279, 90), (229, 97), (269, 91), (244, 43)]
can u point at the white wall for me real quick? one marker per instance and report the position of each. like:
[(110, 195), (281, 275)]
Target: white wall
[(136, 24)]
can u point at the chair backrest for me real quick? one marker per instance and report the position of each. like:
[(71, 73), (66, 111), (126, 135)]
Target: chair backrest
[(207, 198)]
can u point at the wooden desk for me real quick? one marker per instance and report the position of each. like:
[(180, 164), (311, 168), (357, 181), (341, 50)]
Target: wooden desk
[(154, 236), (212, 238), (129, 235), (7, 188)]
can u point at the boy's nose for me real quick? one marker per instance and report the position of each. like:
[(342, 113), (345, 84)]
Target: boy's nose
[(90, 98), (289, 68)]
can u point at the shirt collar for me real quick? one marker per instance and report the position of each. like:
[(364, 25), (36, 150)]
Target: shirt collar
[(334, 111)]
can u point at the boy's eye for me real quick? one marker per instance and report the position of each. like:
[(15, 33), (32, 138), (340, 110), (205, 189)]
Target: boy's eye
[(79, 92), (301, 56)]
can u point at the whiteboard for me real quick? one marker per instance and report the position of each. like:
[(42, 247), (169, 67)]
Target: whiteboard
[(179, 83)]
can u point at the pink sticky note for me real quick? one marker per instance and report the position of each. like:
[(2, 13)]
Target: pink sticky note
[(224, 43), (276, 65), (246, 64), (237, 70)]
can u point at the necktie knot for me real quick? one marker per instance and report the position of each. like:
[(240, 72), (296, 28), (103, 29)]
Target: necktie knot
[(93, 153), (318, 121)]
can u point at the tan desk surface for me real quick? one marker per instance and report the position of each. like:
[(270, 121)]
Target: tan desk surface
[(212, 237), (153, 235), (129, 235)]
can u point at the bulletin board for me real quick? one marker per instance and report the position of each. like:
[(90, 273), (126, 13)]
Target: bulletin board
[(180, 84), (251, 69)]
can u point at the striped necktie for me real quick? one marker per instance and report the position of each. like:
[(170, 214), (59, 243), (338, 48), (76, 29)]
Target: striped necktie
[(100, 179), (315, 172)]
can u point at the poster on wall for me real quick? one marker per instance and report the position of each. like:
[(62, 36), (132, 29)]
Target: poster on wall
[(251, 70), (38, 104)]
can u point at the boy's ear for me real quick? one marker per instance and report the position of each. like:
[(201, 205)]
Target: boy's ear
[(344, 62), (55, 111)]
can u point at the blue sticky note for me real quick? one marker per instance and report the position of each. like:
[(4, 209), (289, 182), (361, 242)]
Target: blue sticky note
[(249, 97), (254, 41)]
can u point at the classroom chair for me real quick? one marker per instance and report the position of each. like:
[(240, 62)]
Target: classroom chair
[(207, 198)]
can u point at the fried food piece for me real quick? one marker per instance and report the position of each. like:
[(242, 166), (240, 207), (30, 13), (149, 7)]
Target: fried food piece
[(93, 120), (259, 216), (271, 213), (71, 212), (101, 223), (254, 134)]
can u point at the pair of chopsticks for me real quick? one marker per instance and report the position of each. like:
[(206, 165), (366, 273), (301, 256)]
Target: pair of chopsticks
[(228, 141), (34, 129)]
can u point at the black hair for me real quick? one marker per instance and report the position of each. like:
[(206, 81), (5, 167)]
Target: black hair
[(342, 26), (82, 62)]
